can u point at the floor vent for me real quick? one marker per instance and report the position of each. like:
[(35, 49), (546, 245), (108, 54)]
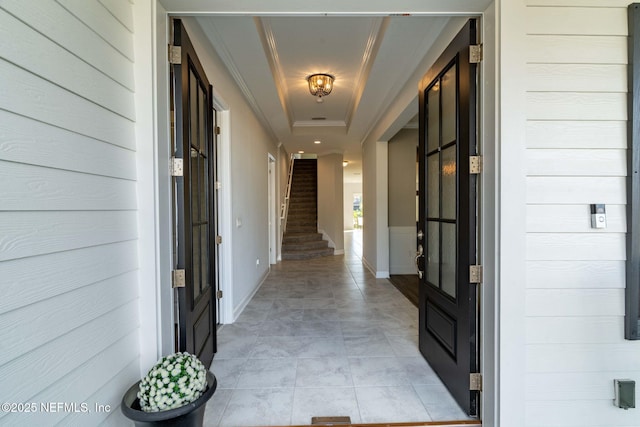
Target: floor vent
[(330, 421)]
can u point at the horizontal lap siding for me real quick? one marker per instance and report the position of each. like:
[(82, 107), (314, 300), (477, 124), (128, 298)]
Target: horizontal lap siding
[(576, 155), (69, 321)]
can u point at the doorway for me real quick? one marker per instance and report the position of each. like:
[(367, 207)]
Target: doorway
[(193, 171), (448, 228), (272, 205)]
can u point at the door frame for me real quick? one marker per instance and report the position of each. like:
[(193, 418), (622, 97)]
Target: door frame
[(502, 184), (272, 206)]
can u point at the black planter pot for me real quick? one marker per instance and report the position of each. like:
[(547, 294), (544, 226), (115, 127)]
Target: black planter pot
[(189, 415)]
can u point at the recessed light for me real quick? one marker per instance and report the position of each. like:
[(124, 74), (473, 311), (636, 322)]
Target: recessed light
[(317, 142), (300, 152)]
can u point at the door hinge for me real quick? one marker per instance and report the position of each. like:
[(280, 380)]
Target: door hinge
[(475, 53), (218, 185), (178, 279), (176, 167), (475, 164), (475, 382), (217, 130), (175, 54), (219, 294), (475, 274), (218, 240)]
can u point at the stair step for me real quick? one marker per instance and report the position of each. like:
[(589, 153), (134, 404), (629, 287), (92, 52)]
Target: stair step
[(304, 245), (303, 198), (302, 229), (303, 209), (295, 216), (300, 237), (308, 214), (307, 254), (306, 224)]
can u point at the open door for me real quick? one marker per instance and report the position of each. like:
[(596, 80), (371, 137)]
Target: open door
[(447, 219), (195, 220)]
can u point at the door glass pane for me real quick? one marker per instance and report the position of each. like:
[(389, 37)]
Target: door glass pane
[(204, 250), (204, 188), (433, 118), (449, 106), (202, 110), (194, 167), (432, 255), (193, 109), (433, 185), (196, 258), (449, 182), (449, 258)]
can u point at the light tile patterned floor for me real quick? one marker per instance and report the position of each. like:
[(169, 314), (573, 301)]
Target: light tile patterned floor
[(324, 337)]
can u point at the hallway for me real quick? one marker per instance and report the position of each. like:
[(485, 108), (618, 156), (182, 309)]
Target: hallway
[(324, 337)]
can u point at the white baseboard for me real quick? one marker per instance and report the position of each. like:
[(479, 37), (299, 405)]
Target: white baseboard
[(382, 274), (368, 266), (338, 251), (237, 311)]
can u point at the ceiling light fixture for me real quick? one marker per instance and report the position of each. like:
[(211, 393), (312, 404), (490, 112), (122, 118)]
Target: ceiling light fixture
[(345, 163), (320, 85), (317, 142)]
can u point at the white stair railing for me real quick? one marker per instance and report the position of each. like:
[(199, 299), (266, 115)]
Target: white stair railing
[(284, 209)]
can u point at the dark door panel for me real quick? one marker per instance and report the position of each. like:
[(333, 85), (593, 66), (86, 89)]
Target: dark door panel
[(194, 202), (447, 217)]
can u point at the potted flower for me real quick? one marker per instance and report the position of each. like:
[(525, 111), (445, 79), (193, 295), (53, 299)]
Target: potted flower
[(173, 393)]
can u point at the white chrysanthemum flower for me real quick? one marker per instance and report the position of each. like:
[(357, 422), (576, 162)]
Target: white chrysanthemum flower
[(176, 380)]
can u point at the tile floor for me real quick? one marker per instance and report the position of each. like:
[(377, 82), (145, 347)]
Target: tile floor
[(324, 337)]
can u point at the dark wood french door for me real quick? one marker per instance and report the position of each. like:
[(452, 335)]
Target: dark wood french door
[(194, 201), (447, 219)]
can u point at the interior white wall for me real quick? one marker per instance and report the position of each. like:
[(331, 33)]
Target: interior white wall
[(375, 230), (330, 199), (402, 178), (349, 189), (250, 145), (369, 234), (402, 202)]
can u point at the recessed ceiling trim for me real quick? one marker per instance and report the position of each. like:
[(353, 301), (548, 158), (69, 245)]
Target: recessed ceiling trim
[(263, 25), (319, 123), (376, 35), (223, 52)]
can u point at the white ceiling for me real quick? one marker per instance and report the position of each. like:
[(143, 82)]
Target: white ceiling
[(377, 56), (372, 59)]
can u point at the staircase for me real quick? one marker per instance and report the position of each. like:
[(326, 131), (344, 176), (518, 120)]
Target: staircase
[(301, 239)]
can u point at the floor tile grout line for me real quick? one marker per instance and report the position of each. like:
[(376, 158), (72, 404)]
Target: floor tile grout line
[(370, 296)]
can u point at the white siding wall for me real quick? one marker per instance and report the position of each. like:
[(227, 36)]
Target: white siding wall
[(576, 140), (68, 249)]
